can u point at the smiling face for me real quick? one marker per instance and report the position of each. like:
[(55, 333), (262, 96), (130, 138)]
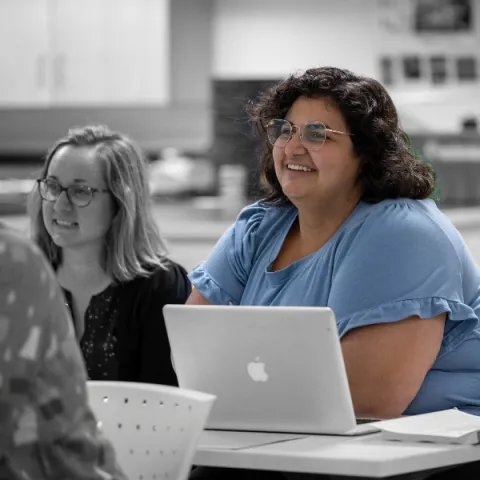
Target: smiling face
[(329, 174), (69, 226)]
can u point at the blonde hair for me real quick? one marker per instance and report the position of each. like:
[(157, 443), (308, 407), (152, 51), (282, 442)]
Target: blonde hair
[(133, 245)]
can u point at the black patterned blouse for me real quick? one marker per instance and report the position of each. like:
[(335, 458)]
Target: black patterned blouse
[(125, 337), (98, 344)]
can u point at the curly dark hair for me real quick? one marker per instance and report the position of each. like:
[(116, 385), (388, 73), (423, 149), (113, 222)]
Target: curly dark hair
[(388, 169)]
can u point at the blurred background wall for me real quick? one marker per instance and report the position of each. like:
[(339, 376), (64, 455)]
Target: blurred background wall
[(177, 73)]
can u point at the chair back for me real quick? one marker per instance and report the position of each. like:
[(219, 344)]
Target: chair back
[(153, 428)]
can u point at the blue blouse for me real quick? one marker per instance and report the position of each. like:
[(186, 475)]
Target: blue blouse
[(388, 261)]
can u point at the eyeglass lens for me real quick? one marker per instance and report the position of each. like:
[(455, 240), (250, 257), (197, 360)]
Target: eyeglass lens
[(313, 134), (79, 195)]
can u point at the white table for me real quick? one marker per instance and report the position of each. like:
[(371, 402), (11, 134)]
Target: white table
[(367, 455)]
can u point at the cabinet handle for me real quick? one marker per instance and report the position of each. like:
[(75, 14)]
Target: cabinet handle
[(59, 70), (41, 70)]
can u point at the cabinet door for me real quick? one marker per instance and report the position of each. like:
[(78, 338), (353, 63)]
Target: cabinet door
[(137, 48), (78, 57), (24, 53), (111, 52)]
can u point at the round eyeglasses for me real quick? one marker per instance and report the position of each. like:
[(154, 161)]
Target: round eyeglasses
[(79, 195), (312, 134)]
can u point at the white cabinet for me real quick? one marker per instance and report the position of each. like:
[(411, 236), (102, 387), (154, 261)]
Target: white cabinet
[(137, 46), (111, 51), (78, 63), (86, 52), (24, 53)]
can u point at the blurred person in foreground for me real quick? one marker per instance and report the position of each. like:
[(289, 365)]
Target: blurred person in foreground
[(347, 222), (90, 215), (47, 429)]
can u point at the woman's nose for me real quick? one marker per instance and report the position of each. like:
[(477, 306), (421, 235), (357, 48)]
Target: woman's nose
[(295, 145), (62, 202)]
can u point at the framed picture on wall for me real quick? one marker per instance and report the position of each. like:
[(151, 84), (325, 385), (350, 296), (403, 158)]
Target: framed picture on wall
[(412, 69), (386, 70), (467, 68), (443, 16), (438, 68)]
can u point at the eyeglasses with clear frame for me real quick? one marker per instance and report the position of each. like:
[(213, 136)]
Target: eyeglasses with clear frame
[(79, 195), (312, 134)]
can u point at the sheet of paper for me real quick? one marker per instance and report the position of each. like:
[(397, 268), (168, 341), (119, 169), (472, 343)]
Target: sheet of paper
[(228, 440), (447, 423)]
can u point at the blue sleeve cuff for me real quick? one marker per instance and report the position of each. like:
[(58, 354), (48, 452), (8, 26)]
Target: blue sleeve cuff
[(461, 319), (207, 287)]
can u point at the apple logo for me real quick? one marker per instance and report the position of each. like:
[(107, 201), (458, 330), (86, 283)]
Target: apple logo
[(256, 370)]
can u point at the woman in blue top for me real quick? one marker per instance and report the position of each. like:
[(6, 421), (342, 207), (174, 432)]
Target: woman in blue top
[(347, 223)]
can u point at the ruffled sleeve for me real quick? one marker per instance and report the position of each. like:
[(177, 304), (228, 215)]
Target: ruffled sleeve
[(401, 263), (222, 278)]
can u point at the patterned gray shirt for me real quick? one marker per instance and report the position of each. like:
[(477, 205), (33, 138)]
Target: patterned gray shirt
[(47, 430)]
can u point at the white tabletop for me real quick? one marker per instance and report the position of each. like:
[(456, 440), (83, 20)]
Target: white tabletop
[(367, 455)]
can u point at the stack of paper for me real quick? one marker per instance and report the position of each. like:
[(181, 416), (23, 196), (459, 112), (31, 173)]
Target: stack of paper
[(446, 426)]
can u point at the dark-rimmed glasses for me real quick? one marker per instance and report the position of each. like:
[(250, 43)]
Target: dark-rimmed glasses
[(312, 134), (79, 195)]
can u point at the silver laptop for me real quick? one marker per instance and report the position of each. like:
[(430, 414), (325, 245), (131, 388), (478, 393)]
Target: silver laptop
[(273, 369)]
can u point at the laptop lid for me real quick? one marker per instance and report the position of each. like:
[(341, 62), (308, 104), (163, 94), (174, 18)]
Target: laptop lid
[(275, 369)]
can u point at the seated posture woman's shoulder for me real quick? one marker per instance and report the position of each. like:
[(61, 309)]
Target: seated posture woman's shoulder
[(48, 430), (223, 278)]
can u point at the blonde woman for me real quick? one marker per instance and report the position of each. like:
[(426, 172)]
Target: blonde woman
[(90, 215), (48, 431)]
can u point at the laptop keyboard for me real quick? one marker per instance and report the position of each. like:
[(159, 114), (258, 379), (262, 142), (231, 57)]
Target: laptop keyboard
[(361, 421)]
